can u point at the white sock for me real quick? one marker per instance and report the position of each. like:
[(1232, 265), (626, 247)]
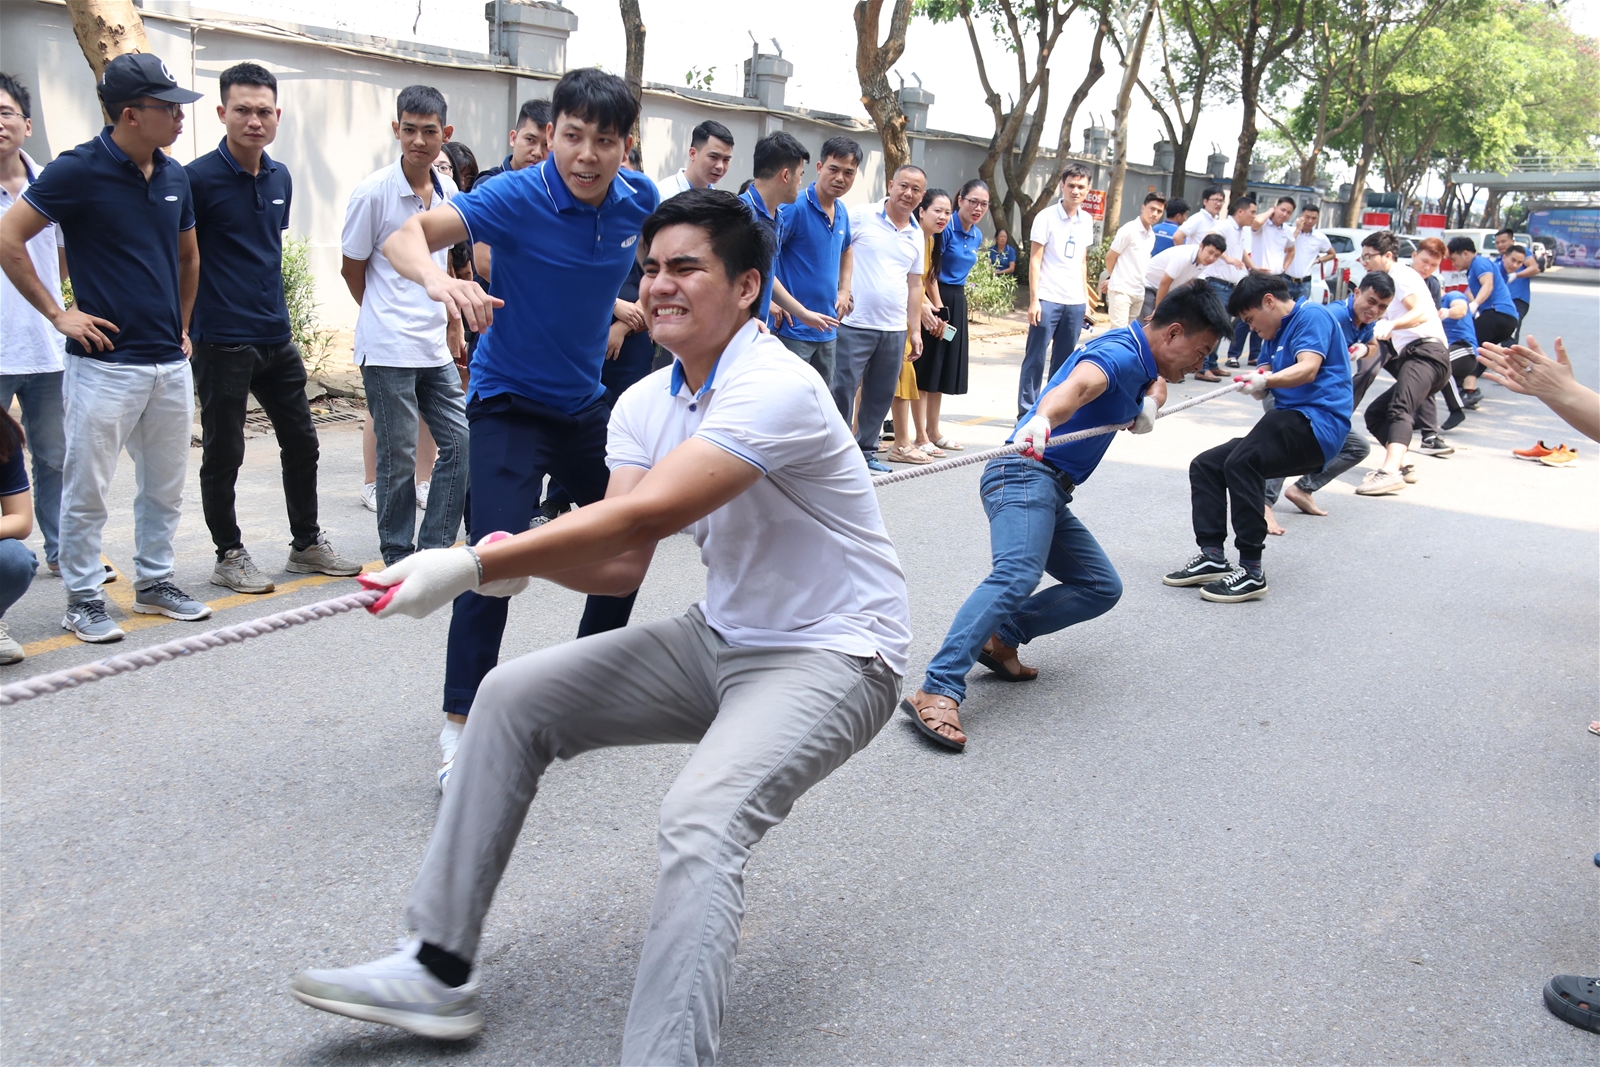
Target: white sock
[(449, 738)]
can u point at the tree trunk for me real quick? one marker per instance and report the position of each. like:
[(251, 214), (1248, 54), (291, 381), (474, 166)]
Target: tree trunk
[(633, 73), (1032, 207), (105, 30), (872, 71), (1119, 161), (1358, 184), (1491, 208)]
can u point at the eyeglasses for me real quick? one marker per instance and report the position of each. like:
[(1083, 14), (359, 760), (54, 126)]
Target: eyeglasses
[(174, 110), (7, 115)]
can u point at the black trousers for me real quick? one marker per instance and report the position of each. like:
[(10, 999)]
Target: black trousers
[(1420, 370), (1496, 327), (1522, 316), (224, 376), (1234, 475)]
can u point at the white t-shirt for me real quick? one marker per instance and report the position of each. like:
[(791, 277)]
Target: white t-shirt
[(1268, 248), (1132, 245), (400, 325), (1066, 240), (28, 343), (672, 185), (1239, 240), (1406, 283), (882, 256), (1307, 247), (801, 558), (1177, 263), (1198, 225)]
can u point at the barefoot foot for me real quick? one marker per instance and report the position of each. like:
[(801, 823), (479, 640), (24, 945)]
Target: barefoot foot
[(1272, 525), (1302, 500)]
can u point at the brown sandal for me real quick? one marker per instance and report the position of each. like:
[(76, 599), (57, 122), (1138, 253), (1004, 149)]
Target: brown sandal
[(927, 713), (1001, 658)]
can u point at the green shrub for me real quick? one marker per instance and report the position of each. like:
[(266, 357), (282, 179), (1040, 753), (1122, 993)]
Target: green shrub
[(1097, 260), (300, 293), (989, 293), (66, 292)]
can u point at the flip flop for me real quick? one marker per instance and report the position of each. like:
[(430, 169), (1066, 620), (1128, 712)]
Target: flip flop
[(927, 731)]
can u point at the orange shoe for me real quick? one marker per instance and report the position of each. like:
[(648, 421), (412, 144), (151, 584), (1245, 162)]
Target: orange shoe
[(1536, 453), (1561, 457)]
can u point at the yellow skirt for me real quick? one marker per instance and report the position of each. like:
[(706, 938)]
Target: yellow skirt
[(906, 389)]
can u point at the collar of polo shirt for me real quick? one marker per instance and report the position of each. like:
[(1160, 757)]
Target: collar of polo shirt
[(677, 380), (158, 158), (397, 177), (267, 164), (620, 188)]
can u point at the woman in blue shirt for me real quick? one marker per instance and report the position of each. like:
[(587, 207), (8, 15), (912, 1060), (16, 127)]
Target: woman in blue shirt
[(943, 366), (1002, 256), (17, 561)]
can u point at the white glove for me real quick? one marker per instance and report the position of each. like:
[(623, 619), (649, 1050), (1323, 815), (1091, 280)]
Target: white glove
[(1255, 385), (426, 581), (1147, 417), (1034, 437)]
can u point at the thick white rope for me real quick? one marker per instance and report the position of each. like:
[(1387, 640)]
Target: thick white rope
[(45, 684)]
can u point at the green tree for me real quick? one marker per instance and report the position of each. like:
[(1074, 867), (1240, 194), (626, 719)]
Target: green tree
[(1260, 32), (1190, 54)]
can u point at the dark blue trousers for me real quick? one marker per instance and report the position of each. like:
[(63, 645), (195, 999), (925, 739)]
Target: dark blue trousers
[(515, 442)]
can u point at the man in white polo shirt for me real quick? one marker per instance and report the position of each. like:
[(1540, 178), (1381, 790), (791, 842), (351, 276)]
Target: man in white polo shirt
[(886, 252), (1238, 232), (1127, 260), (710, 154), (404, 340), (1204, 221), (1271, 235), (776, 677), (1177, 267), (1058, 290), (1310, 248)]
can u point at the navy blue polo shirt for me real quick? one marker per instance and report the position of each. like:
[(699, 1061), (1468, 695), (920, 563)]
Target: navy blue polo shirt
[(1165, 230), (1499, 300), (1325, 400), (558, 264), (122, 244), (959, 251), (239, 222), (758, 207), (1124, 357), (809, 247)]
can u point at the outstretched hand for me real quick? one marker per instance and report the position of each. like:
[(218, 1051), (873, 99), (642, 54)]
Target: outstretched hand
[(1527, 370), (465, 298)]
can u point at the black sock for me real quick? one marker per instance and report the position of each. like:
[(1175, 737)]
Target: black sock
[(1251, 566), (1213, 553), (450, 969)]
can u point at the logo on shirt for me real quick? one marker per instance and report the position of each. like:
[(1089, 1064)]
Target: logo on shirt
[(629, 242), (278, 201), (171, 199)]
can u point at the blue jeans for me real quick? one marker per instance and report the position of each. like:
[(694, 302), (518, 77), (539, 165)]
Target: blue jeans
[(40, 396), (1299, 290), (1059, 325), (397, 398), (18, 565), (515, 443), (1032, 532), (1236, 347), (1224, 290)]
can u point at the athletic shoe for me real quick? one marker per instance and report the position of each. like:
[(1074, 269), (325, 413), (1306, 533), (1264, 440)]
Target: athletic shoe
[(1454, 419), (320, 558), (444, 773), (1434, 445), (538, 521), (369, 496), (1408, 474), (877, 466), (555, 511), (1380, 483), (10, 651), (111, 572), (422, 495), (1561, 457), (237, 571), (1536, 453), (88, 620), (1200, 569), (164, 598), (1471, 398), (395, 991), (1240, 585)]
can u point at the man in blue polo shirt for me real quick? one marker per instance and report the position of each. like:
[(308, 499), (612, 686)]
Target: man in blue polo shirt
[(1518, 268), (1117, 377), (1308, 371), (814, 269), (125, 209), (779, 169), (242, 340), (564, 234), (1167, 229)]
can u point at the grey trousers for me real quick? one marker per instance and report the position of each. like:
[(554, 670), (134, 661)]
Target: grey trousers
[(817, 353), (769, 724), (870, 359)]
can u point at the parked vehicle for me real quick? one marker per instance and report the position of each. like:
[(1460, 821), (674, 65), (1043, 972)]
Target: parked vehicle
[(1347, 246)]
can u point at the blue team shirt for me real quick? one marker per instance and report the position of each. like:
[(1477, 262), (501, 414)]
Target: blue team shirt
[(122, 244), (809, 247), (1344, 313), (1165, 231), (558, 264), (758, 208), (1327, 399), (1000, 259), (1124, 357), (1520, 288), (239, 222), (13, 474), (1462, 330), (958, 251), (1500, 299)]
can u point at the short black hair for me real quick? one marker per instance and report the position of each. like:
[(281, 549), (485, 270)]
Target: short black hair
[(589, 94), (18, 92), (421, 100), (1508, 231), (737, 239), (1177, 206), (1315, 209), (1519, 248), (535, 111), (1213, 190), (1155, 198), (1075, 170), (1253, 289), (842, 148), (708, 129), (1215, 240), (1460, 244), (1379, 282), (776, 151), (1291, 201), (1240, 203), (1383, 242), (1196, 307), (248, 74)]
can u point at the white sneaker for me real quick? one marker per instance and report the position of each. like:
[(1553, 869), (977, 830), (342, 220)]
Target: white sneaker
[(422, 495), (369, 496), (11, 652), (396, 991), (444, 774)]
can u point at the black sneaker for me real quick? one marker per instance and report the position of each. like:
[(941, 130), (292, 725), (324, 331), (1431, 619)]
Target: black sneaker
[(1454, 419), (1200, 569), (1434, 445), (1236, 588), (1470, 398)]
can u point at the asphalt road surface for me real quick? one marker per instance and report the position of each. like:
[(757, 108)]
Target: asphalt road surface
[(1350, 822)]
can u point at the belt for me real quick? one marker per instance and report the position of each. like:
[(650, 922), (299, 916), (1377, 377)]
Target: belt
[(1307, 278)]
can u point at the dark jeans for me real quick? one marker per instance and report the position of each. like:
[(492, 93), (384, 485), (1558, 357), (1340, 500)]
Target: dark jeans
[(1224, 290), (618, 376), (1058, 329), (515, 442), (1236, 346), (398, 397), (18, 565), (1522, 316), (1299, 288), (224, 376), (1419, 372), (1235, 473)]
